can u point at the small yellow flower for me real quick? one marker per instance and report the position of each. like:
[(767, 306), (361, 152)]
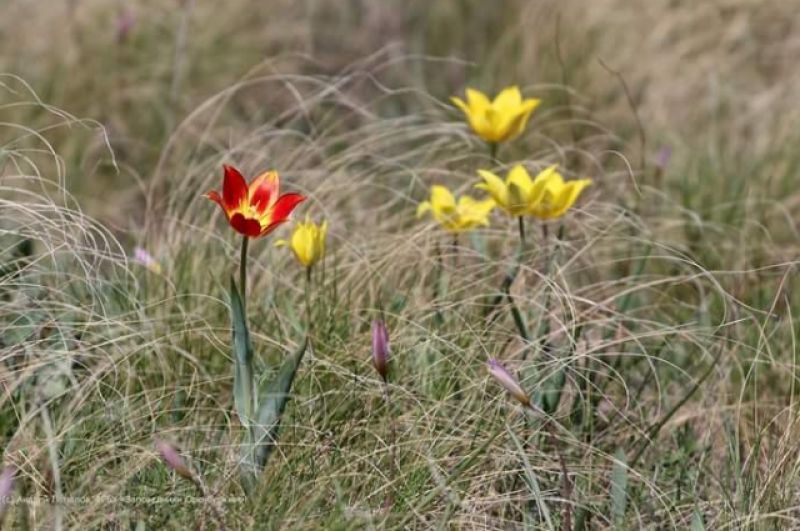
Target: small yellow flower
[(465, 214), (547, 196), (498, 120), (307, 242)]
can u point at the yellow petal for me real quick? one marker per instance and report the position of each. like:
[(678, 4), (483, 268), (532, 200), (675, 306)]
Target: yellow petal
[(303, 245), (569, 194), (547, 179), (442, 199), (478, 101), (520, 176), (458, 102), (423, 207), (527, 108), (509, 99), (472, 212), (495, 186)]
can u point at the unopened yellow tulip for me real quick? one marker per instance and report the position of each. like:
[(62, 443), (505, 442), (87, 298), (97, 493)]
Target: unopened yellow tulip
[(307, 242), (456, 216), (546, 196), (501, 119)]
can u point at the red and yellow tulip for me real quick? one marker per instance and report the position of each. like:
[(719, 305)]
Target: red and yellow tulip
[(256, 209)]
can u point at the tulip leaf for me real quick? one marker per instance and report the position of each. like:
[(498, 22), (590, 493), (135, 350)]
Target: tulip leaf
[(619, 487), (551, 394), (243, 385), (697, 522), (273, 399)]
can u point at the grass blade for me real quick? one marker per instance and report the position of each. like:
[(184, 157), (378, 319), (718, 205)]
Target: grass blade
[(619, 487)]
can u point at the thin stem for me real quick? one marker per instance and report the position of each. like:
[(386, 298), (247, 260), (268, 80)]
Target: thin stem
[(493, 150), (392, 429), (437, 283), (521, 221), (243, 270), (308, 300)]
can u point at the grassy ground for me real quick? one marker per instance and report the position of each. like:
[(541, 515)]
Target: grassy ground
[(665, 300)]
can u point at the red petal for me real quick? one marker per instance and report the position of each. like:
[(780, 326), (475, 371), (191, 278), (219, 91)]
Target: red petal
[(263, 189), (272, 226), (247, 226), (284, 206), (214, 196), (234, 188)]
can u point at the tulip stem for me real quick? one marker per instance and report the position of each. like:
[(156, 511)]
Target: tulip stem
[(243, 270), (521, 221), (493, 150), (392, 434), (308, 300)]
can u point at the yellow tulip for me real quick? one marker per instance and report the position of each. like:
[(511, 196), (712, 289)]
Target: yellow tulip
[(456, 216), (501, 119), (307, 242), (546, 196)]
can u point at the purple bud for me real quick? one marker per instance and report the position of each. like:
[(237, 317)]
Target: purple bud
[(509, 382), (173, 459), (125, 23), (662, 159), (6, 486), (380, 347), (141, 256)]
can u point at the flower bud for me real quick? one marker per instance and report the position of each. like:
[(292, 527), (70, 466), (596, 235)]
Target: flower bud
[(380, 348), (173, 459), (509, 382), (6, 486), (142, 257)]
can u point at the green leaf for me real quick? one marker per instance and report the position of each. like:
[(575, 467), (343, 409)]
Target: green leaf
[(243, 384), (619, 487), (697, 522), (551, 394), (273, 399)]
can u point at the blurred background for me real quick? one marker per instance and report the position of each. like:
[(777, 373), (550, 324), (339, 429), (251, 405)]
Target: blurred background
[(714, 82)]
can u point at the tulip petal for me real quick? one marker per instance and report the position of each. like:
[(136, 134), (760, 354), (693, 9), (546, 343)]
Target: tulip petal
[(247, 226), (441, 199), (521, 178), (423, 208), (569, 194), (547, 179), (495, 186), (528, 106), (234, 189), (264, 190), (508, 100), (458, 102), (478, 101), (285, 205), (214, 196)]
